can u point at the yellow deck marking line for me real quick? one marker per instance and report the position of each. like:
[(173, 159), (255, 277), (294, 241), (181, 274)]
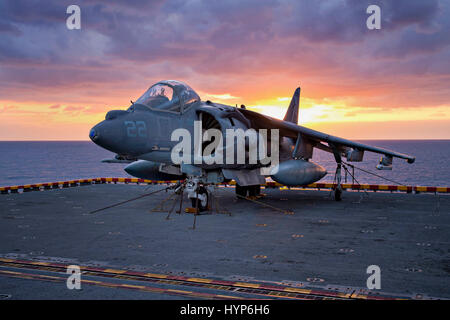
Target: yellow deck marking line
[(176, 281), (297, 290), (247, 285), (229, 297), (199, 280), (9, 272), (273, 292), (43, 263), (31, 276), (92, 281), (27, 274), (133, 286), (154, 275), (114, 271), (279, 292)]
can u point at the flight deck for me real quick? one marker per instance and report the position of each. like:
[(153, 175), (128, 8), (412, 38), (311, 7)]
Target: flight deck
[(289, 244)]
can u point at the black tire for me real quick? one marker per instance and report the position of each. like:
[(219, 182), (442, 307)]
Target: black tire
[(338, 194), (241, 191), (201, 206), (254, 191)]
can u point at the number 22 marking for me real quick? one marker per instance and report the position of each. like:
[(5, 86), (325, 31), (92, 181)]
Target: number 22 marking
[(136, 128)]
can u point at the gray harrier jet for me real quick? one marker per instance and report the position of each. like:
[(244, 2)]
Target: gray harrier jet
[(147, 136)]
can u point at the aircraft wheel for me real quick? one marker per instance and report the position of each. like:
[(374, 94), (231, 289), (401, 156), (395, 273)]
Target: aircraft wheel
[(203, 199), (254, 191), (241, 191), (338, 194)]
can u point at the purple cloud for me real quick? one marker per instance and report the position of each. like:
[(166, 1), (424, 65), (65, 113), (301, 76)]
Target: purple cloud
[(129, 44)]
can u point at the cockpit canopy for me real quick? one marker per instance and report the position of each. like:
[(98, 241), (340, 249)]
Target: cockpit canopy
[(168, 95)]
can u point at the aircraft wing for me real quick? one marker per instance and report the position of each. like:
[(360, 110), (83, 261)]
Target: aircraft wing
[(339, 146)]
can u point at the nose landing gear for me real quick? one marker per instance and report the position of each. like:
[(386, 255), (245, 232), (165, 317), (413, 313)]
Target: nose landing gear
[(201, 199)]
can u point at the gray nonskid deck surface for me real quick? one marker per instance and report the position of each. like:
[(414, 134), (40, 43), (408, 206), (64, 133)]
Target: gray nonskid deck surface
[(324, 243)]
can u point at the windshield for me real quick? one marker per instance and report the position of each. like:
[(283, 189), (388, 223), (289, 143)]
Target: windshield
[(160, 96)]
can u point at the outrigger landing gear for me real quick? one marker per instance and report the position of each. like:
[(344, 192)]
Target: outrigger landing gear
[(337, 174), (338, 187)]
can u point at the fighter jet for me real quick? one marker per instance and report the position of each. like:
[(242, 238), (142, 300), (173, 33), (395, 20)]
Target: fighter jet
[(151, 136)]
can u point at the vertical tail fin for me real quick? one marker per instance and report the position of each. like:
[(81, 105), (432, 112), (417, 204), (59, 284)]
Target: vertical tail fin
[(292, 111)]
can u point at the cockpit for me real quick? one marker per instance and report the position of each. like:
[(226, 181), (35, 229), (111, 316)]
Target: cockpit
[(168, 95)]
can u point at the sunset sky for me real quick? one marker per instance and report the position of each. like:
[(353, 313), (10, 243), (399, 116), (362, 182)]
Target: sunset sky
[(393, 83)]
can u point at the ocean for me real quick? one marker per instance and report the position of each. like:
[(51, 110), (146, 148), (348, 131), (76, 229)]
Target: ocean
[(27, 162)]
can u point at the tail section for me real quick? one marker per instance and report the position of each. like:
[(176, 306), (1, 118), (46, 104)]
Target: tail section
[(292, 112)]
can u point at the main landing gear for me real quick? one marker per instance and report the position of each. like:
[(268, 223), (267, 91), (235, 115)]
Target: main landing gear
[(251, 191)]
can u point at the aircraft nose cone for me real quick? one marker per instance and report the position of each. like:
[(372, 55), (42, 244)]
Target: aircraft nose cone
[(93, 135), (107, 134), (98, 134)]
